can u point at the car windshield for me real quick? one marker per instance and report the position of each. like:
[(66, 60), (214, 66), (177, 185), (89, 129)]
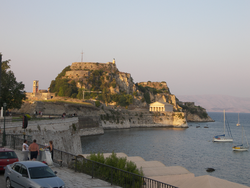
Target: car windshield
[(8, 155), (41, 172)]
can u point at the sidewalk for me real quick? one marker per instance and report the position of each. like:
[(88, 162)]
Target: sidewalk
[(74, 179)]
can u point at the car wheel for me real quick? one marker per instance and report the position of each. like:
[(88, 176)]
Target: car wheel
[(8, 184)]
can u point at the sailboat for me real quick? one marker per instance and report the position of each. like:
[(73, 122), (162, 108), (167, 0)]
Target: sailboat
[(238, 124), (223, 138), (241, 147)]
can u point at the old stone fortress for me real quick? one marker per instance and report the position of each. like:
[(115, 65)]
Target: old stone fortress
[(80, 72)]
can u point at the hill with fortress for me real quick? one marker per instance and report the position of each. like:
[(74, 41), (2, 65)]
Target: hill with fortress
[(102, 84)]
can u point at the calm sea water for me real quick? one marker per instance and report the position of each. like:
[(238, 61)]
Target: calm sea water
[(191, 148)]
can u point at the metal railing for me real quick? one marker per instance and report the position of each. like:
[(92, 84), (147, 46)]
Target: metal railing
[(95, 169)]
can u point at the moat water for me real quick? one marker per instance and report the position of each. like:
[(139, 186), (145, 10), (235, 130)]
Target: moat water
[(191, 148)]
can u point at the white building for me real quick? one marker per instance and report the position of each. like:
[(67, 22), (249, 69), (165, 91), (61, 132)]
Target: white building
[(160, 107)]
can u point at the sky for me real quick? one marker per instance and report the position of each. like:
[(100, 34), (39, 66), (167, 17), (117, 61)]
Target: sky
[(197, 47)]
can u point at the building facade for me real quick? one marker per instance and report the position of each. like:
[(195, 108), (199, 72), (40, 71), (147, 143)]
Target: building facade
[(160, 107)]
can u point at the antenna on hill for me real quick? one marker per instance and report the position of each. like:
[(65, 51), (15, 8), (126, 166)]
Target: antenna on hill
[(81, 56)]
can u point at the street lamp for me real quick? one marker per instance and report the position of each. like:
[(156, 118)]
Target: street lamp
[(4, 135)]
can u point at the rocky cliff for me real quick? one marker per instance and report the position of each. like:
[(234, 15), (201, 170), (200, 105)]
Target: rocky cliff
[(194, 113)]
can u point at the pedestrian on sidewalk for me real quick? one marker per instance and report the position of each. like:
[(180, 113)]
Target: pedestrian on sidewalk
[(25, 150), (34, 150)]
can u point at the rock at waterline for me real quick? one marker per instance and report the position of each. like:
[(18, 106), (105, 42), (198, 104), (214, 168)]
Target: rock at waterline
[(210, 169)]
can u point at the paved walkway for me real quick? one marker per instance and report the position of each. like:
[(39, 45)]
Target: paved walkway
[(74, 179)]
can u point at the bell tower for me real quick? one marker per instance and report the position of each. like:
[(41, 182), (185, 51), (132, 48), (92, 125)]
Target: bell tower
[(35, 86)]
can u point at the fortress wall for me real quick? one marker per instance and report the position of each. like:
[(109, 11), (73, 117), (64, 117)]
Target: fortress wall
[(79, 73), (68, 141), (40, 95), (108, 67), (60, 131), (66, 133), (153, 84)]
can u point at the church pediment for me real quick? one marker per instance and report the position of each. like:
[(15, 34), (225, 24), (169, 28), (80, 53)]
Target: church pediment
[(160, 106)]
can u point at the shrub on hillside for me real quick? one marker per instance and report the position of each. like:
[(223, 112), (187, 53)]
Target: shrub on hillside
[(117, 162), (109, 174), (97, 103)]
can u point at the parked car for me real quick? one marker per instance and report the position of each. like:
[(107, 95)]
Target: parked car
[(33, 174), (7, 156)]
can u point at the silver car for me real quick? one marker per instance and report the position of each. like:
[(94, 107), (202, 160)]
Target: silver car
[(33, 174)]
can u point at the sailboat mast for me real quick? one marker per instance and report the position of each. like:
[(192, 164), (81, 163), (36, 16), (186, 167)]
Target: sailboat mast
[(245, 136), (242, 134), (238, 124), (224, 122)]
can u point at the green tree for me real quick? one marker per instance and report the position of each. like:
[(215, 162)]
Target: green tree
[(147, 97), (135, 93), (63, 86), (12, 92), (106, 96), (97, 103), (80, 94)]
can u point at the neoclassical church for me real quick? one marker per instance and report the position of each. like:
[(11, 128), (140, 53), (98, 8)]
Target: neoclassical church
[(160, 107)]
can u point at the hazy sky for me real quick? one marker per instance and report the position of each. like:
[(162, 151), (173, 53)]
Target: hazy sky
[(197, 47)]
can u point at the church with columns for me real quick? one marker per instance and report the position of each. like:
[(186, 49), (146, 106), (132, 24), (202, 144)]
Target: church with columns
[(160, 107)]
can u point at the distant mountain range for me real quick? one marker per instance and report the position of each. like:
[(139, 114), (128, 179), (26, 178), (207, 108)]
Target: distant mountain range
[(218, 103)]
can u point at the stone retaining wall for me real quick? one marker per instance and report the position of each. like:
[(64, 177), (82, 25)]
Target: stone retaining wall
[(66, 133)]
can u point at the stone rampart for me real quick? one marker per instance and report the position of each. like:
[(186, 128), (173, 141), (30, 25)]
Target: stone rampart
[(65, 133), (77, 73), (40, 96), (157, 85), (107, 67), (58, 108), (146, 119), (89, 121)]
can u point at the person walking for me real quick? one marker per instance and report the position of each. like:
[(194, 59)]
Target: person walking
[(34, 150), (25, 150)]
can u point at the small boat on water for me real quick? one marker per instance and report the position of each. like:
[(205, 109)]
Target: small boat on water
[(223, 138), (197, 126), (241, 147), (206, 127)]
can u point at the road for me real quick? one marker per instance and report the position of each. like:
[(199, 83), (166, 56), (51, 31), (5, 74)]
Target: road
[(71, 179), (2, 182)]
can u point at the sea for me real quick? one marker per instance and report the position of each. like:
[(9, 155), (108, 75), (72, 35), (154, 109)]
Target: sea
[(191, 148)]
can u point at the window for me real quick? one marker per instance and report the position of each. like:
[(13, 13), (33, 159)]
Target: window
[(8, 155), (24, 171), (41, 172), (17, 168)]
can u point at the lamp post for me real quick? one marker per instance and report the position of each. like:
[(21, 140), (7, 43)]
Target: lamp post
[(4, 135)]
